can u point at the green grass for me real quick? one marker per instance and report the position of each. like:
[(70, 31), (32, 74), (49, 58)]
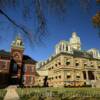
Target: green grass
[(59, 93), (2, 93)]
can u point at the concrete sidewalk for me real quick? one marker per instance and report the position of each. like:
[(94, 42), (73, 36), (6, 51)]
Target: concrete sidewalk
[(11, 93)]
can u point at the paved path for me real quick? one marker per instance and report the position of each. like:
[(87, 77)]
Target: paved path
[(11, 93)]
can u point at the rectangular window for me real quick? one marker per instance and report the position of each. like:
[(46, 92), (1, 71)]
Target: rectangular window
[(92, 65), (31, 69), (2, 64), (15, 67), (68, 76), (31, 79), (77, 64), (77, 76), (85, 65), (67, 63), (84, 74), (24, 78), (98, 66), (25, 68)]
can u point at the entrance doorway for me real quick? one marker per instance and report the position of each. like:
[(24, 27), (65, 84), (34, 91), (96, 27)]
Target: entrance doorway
[(13, 73), (91, 75)]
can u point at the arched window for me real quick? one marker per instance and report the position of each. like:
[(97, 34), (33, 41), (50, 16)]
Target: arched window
[(60, 47), (66, 48), (63, 46)]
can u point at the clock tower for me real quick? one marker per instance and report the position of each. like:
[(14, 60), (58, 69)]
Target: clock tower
[(17, 49)]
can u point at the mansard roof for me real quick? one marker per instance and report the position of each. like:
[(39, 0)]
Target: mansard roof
[(4, 54), (76, 53), (81, 53), (28, 60)]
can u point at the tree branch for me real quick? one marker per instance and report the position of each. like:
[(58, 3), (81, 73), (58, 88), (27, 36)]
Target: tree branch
[(12, 21)]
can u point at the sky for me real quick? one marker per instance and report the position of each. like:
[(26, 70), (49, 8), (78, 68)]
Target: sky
[(76, 20)]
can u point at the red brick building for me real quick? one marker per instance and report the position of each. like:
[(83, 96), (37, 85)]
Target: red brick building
[(15, 67)]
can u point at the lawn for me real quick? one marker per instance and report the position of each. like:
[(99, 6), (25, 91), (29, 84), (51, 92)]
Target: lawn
[(2, 93), (59, 93)]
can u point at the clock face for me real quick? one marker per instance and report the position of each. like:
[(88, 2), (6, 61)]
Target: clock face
[(17, 55)]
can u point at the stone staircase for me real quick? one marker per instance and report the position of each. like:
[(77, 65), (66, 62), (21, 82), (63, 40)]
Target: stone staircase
[(97, 84)]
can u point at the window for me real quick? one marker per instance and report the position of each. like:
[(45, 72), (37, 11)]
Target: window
[(56, 65), (66, 48), (31, 78), (68, 76), (24, 78), (85, 65), (60, 47), (25, 68), (98, 66), (63, 47), (48, 78), (15, 67), (31, 69), (49, 68), (77, 64), (59, 63), (92, 66), (67, 63), (56, 77), (2, 64), (84, 74), (39, 80), (77, 76), (60, 76)]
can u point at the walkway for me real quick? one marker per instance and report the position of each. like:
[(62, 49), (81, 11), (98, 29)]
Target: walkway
[(11, 93)]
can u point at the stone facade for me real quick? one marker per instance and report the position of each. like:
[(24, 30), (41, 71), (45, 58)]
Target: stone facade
[(69, 66)]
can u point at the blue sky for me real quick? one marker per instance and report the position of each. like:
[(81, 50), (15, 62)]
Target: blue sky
[(76, 20)]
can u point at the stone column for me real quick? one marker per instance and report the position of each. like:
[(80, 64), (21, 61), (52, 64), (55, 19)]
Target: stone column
[(95, 75), (87, 77)]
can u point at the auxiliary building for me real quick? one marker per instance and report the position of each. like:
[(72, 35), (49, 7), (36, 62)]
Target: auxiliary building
[(16, 68)]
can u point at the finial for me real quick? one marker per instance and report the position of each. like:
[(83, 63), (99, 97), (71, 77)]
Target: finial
[(18, 36)]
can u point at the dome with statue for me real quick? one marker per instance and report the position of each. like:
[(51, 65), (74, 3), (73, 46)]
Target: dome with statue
[(75, 39)]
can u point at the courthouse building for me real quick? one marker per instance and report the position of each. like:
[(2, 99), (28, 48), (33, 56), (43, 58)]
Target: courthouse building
[(15, 67), (69, 65)]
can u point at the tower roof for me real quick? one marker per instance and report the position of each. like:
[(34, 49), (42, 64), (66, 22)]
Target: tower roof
[(18, 43)]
